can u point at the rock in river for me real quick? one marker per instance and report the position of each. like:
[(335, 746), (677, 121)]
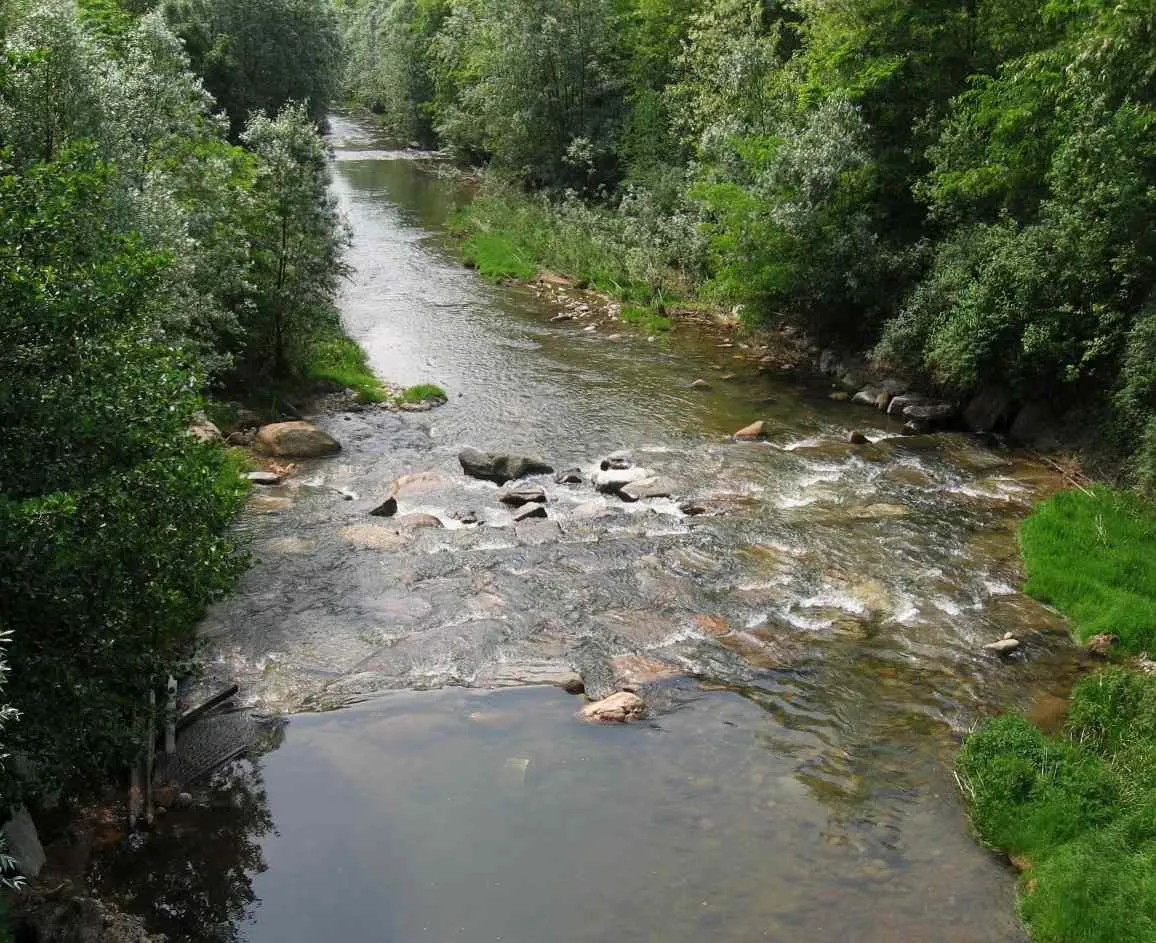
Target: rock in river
[(387, 508), (655, 487), (613, 481), (617, 461), (415, 521), (295, 440), (572, 476), (525, 494), (529, 513), (500, 468), (264, 478), (616, 709), (1005, 646), (756, 430)]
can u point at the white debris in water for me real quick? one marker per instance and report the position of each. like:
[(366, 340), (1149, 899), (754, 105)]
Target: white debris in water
[(998, 588)]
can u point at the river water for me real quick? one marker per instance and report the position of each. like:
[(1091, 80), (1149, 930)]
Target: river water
[(810, 651)]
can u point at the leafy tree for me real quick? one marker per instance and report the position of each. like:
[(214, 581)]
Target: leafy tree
[(259, 55), (296, 240)]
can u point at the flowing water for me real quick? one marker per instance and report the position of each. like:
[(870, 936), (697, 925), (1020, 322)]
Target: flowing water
[(810, 650)]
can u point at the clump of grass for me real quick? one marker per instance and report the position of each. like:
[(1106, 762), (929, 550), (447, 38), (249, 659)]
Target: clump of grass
[(1079, 808), (342, 362), (424, 392), (1092, 555), (647, 318), (498, 257)]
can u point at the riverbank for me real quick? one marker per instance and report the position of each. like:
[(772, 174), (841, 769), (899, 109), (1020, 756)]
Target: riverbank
[(1075, 811)]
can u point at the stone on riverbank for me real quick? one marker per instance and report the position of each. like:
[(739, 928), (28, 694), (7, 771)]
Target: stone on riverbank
[(204, 429), (295, 440), (500, 468), (617, 709), (266, 478)]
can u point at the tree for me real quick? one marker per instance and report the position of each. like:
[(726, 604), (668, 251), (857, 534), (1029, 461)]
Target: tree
[(296, 239)]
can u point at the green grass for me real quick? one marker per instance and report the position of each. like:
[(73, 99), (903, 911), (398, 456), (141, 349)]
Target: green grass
[(1092, 555), (423, 392), (341, 361), (652, 321), (498, 257), (1081, 809)]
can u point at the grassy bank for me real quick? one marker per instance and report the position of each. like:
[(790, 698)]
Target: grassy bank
[(621, 251), (1077, 812)]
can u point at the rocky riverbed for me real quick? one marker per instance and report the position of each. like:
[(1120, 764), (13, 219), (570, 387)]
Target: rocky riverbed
[(799, 617)]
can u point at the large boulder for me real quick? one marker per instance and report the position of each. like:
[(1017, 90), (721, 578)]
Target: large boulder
[(295, 440), (203, 428), (990, 407), (500, 468)]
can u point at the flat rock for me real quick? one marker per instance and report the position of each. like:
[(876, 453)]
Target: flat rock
[(417, 521), (617, 709), (297, 439), (529, 513), (516, 497), (500, 468), (654, 487), (929, 412), (756, 430), (267, 478), (614, 480)]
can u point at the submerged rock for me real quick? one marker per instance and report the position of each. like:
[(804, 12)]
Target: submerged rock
[(855, 437), (617, 709), (700, 384), (692, 508), (516, 497), (500, 468), (297, 439), (416, 521), (655, 487)]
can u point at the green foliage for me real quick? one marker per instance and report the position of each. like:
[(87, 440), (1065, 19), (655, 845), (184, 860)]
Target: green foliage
[(497, 256), (1080, 809), (142, 256), (1093, 556), (339, 361), (648, 319), (111, 518), (261, 55)]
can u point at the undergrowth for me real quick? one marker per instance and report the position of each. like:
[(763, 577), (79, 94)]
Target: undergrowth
[(424, 392), (1092, 555), (1078, 811)]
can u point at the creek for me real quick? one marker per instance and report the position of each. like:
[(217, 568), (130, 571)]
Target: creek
[(810, 650)]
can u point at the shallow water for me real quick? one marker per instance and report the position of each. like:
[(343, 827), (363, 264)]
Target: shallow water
[(810, 650)]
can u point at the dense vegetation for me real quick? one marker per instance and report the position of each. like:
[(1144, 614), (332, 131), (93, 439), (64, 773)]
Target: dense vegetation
[(1077, 812), (154, 251), (964, 187)]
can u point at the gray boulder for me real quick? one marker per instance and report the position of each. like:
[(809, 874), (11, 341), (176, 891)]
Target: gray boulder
[(613, 480), (295, 440), (656, 487), (500, 468), (525, 494)]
